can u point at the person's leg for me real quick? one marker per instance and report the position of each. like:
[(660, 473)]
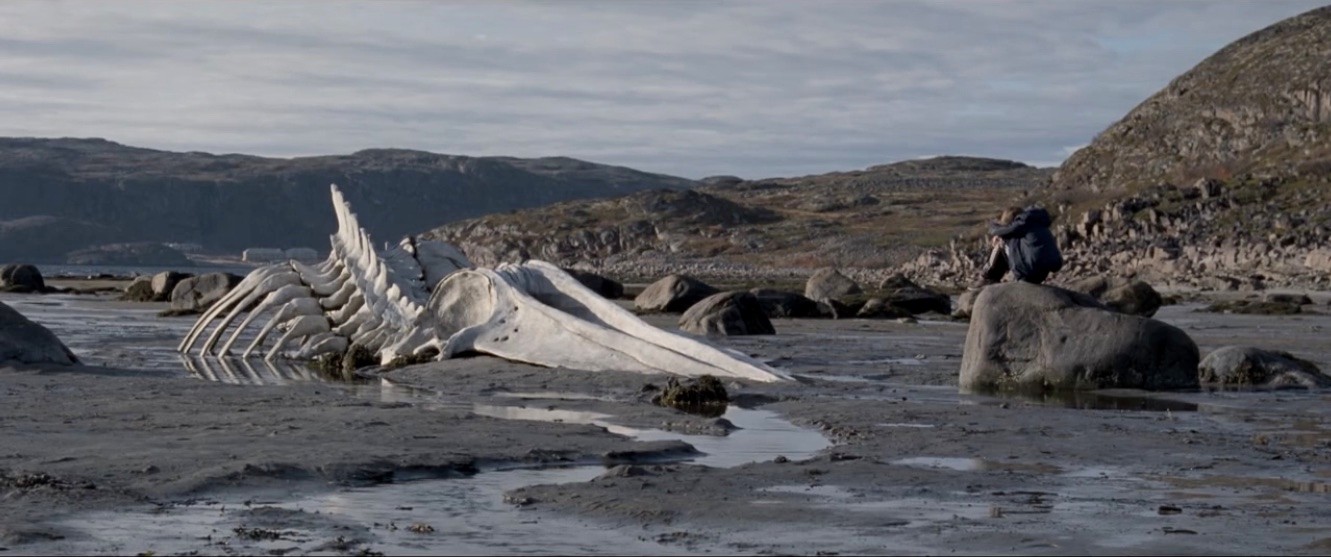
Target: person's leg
[(998, 265), (1037, 277)]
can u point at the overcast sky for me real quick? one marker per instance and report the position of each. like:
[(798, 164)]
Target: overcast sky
[(756, 89)]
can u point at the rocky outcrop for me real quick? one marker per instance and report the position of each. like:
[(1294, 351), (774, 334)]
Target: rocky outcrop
[(1215, 182), (656, 221), (830, 284), (1024, 336), (24, 341), (673, 294), (1246, 366), (727, 313), (21, 278), (198, 293), (1261, 105)]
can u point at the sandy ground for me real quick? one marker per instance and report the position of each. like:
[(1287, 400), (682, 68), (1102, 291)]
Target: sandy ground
[(143, 447)]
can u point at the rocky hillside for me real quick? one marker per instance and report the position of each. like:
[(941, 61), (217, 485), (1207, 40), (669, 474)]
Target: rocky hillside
[(870, 219), (1261, 106), (61, 195), (1222, 180)]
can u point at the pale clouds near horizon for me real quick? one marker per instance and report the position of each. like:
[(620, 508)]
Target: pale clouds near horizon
[(689, 88)]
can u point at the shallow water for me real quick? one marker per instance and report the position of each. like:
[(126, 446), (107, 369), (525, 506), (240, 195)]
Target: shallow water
[(462, 515)]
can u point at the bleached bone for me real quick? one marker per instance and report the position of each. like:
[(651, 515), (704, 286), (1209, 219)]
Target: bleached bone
[(425, 295)]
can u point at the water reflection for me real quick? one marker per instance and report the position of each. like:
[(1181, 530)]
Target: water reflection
[(250, 371)]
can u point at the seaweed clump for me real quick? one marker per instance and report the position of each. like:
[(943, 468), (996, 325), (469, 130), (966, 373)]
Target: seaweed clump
[(404, 360), (1255, 308), (704, 396), (342, 366)]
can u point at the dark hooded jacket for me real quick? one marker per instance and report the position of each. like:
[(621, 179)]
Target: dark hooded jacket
[(1032, 251)]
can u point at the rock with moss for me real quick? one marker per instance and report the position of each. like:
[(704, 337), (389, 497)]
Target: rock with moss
[(704, 395), (1246, 366), (140, 290), (342, 366)]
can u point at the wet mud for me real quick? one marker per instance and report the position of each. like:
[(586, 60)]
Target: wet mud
[(872, 450)]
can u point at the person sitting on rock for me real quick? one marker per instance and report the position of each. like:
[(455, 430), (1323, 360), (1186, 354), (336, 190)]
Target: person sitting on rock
[(1023, 244)]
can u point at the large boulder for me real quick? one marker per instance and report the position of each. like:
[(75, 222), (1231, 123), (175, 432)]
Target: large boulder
[(727, 313), (779, 303), (1246, 366), (673, 294), (608, 288), (21, 277), (900, 292), (830, 284), (1130, 296), (140, 290), (1026, 336), (23, 341), (966, 303), (197, 293), (164, 283)]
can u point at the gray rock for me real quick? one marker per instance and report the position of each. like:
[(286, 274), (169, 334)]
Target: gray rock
[(777, 303), (673, 294), (197, 293), (164, 283), (608, 288), (830, 284), (1247, 366), (900, 292), (141, 290), (965, 304), (727, 313), (1130, 296), (22, 340), (1026, 336), (21, 277)]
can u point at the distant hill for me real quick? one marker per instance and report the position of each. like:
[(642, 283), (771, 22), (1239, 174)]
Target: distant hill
[(1261, 105), (872, 218), (1221, 180), (93, 191)]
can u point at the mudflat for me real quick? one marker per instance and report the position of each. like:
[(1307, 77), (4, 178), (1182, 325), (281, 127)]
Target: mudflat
[(872, 450)]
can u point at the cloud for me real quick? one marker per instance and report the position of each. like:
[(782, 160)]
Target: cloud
[(689, 88)]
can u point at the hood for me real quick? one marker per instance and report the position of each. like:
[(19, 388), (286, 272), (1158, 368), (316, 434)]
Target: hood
[(1036, 216)]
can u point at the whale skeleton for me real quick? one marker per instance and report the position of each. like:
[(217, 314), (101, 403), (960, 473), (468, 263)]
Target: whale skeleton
[(424, 297)]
